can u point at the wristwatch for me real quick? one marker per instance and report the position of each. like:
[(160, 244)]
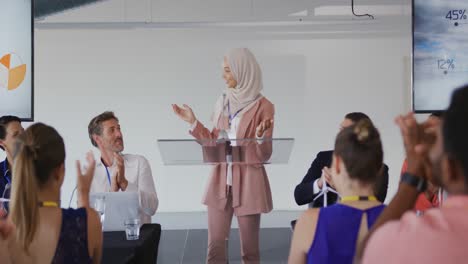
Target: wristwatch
[(417, 182)]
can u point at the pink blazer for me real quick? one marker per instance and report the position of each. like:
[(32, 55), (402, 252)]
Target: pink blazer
[(251, 192)]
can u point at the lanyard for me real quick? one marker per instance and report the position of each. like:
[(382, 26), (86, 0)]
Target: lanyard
[(358, 198), (48, 204), (5, 172), (108, 175), (107, 172), (231, 117)]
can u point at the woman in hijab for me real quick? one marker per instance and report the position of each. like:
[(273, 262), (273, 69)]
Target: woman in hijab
[(242, 112)]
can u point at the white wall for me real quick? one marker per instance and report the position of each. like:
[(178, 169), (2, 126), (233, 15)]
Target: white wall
[(138, 73)]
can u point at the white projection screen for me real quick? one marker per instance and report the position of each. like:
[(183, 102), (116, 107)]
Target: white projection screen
[(16, 59), (440, 52)]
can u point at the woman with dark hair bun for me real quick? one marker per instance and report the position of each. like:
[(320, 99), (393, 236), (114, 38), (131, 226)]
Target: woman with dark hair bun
[(330, 234)]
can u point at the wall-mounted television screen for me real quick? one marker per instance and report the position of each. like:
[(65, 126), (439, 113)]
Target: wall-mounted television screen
[(16, 58), (440, 52)]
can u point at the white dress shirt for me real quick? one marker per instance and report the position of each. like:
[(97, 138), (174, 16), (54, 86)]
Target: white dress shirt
[(140, 179), (231, 135)]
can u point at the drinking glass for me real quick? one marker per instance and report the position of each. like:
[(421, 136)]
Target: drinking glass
[(132, 229)]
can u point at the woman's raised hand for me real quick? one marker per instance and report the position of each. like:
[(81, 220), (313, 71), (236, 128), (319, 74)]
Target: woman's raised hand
[(185, 113), (263, 126)]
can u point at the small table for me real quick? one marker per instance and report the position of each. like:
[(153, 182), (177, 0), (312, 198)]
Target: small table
[(117, 249)]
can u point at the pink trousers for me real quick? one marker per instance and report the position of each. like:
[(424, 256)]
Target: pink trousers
[(219, 225)]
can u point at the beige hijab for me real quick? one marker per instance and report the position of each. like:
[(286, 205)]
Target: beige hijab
[(247, 73)]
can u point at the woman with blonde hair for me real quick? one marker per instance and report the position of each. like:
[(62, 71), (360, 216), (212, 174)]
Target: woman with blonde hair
[(242, 112), (44, 232)]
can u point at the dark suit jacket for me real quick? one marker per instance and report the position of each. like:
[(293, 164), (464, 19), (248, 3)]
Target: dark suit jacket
[(304, 192)]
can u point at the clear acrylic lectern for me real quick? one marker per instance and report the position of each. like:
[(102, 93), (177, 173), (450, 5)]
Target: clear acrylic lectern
[(215, 151)]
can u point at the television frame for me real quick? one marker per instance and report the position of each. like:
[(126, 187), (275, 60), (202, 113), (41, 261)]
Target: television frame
[(31, 119)]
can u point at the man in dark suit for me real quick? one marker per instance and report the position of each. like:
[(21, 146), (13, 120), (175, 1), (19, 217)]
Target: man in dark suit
[(10, 129), (318, 172)]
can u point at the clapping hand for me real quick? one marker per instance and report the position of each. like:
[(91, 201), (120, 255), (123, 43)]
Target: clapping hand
[(6, 228), (7, 233), (185, 113), (326, 177), (120, 179), (418, 140), (263, 126), (84, 179)]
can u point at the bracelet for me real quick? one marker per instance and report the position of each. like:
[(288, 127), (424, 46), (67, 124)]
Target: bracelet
[(417, 182)]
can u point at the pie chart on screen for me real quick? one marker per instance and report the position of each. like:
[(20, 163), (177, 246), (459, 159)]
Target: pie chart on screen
[(12, 71)]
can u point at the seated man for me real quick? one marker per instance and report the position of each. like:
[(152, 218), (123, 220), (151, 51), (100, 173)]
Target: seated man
[(10, 129), (121, 172), (441, 234), (318, 172)]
